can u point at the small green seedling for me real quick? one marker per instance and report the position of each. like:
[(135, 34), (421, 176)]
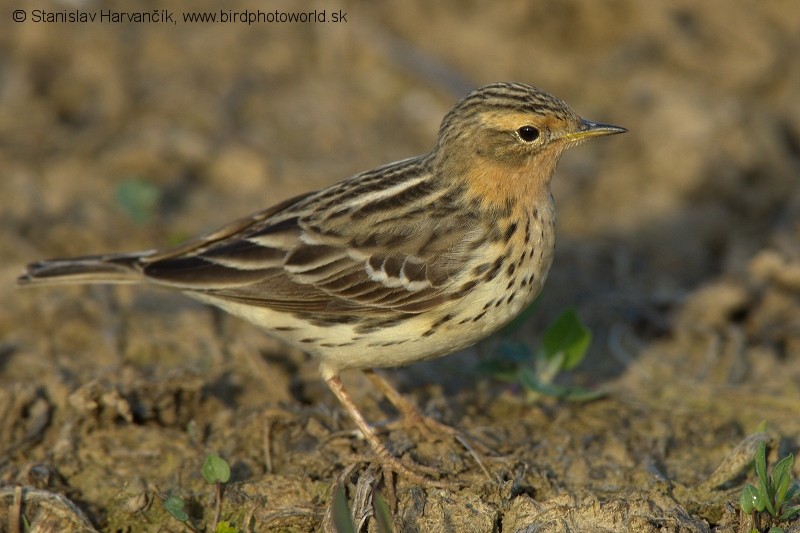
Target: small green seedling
[(217, 472), (564, 345), (342, 522), (383, 516), (139, 199), (776, 495), (176, 506), (340, 512), (225, 527)]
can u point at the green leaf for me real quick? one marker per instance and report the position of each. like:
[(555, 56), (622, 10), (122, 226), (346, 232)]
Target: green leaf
[(581, 394), (535, 388), (790, 512), (383, 516), (761, 461), (138, 198), (567, 336), (226, 527), (793, 492), (506, 365), (781, 473), (215, 469), (342, 522), (176, 507), (776, 529), (516, 353), (498, 369), (531, 383), (748, 499), (764, 484)]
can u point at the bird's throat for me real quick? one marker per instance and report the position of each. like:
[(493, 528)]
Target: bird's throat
[(502, 188)]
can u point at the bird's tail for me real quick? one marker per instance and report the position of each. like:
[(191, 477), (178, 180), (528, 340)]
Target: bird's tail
[(109, 268)]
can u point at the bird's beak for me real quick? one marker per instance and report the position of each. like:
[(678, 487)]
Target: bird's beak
[(592, 129)]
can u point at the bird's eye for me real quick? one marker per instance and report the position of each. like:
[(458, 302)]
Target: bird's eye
[(528, 133)]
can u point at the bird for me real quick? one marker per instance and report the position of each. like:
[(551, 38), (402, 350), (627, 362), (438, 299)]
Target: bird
[(410, 261)]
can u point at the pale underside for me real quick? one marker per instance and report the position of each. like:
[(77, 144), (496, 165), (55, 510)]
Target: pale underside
[(405, 338), (384, 269)]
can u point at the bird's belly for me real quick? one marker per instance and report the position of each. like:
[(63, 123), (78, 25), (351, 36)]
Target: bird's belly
[(487, 308), (491, 302)]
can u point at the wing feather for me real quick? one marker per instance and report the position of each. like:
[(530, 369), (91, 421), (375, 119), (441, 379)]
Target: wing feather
[(302, 257)]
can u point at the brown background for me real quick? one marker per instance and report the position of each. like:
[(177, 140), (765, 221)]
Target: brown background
[(678, 245)]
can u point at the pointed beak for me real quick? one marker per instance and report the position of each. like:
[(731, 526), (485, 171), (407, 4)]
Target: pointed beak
[(592, 129)]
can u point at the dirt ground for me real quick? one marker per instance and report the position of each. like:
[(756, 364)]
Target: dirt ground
[(679, 246)]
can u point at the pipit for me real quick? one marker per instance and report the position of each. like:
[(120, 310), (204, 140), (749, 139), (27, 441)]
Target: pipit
[(410, 261)]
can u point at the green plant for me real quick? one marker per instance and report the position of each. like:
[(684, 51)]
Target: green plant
[(176, 506), (342, 522), (340, 512), (776, 495), (564, 345), (217, 472), (138, 198)]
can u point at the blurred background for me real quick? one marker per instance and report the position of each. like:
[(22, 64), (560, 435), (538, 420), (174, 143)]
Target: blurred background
[(678, 243)]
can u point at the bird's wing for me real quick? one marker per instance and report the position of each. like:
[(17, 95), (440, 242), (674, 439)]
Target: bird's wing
[(324, 255)]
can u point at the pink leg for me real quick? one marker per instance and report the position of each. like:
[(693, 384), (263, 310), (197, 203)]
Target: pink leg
[(386, 459), (429, 426)]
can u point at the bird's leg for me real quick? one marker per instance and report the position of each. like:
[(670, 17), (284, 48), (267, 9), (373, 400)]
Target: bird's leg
[(414, 417), (410, 413), (386, 459)]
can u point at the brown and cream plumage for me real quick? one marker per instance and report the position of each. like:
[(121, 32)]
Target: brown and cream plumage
[(412, 260)]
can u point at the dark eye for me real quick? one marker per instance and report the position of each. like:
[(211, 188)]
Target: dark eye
[(528, 133)]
